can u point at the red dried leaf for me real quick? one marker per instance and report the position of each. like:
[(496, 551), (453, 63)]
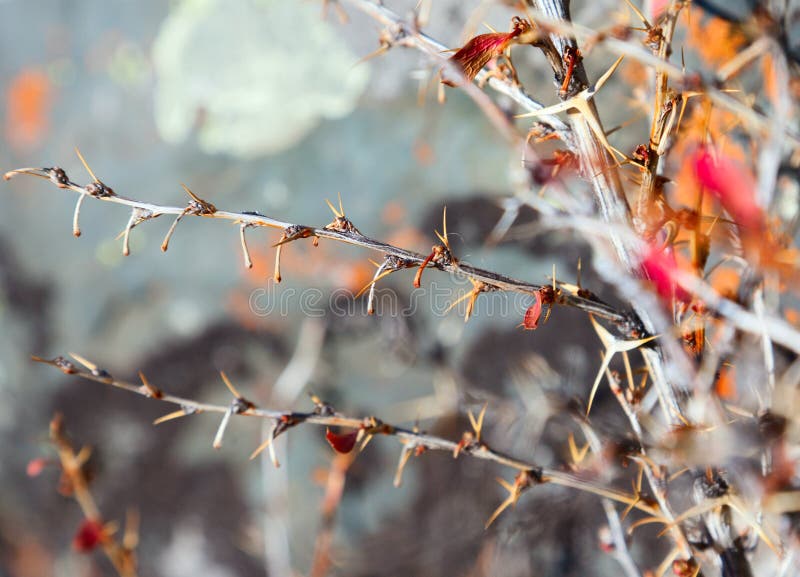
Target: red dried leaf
[(532, 315), (341, 443), (731, 184), (476, 53), (661, 268), (35, 467), (89, 535)]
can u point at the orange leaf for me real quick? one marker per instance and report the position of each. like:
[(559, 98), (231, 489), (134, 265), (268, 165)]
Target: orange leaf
[(715, 39)]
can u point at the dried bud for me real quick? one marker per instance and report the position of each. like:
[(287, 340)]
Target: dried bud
[(641, 154), (772, 426), (572, 57), (712, 485), (654, 38), (66, 366)]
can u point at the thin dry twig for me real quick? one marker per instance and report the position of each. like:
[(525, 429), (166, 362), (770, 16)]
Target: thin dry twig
[(407, 34), (402, 258), (121, 553), (323, 415), (665, 110), (284, 392)]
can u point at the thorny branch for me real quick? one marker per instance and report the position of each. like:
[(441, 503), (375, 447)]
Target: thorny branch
[(585, 136), (341, 230), (601, 172), (403, 33), (324, 415), (600, 169), (687, 79), (665, 111)]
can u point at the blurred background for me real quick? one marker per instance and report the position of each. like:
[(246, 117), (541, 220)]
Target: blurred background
[(265, 105)]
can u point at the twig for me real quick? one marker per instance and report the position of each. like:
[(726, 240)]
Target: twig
[(664, 112), (689, 79), (601, 172), (780, 331), (349, 236), (657, 485), (334, 490), (618, 537), (120, 553), (285, 391), (399, 32), (408, 35), (325, 416)]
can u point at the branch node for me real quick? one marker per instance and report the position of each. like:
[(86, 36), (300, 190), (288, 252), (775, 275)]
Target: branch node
[(95, 370), (66, 366), (341, 223), (148, 389)]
